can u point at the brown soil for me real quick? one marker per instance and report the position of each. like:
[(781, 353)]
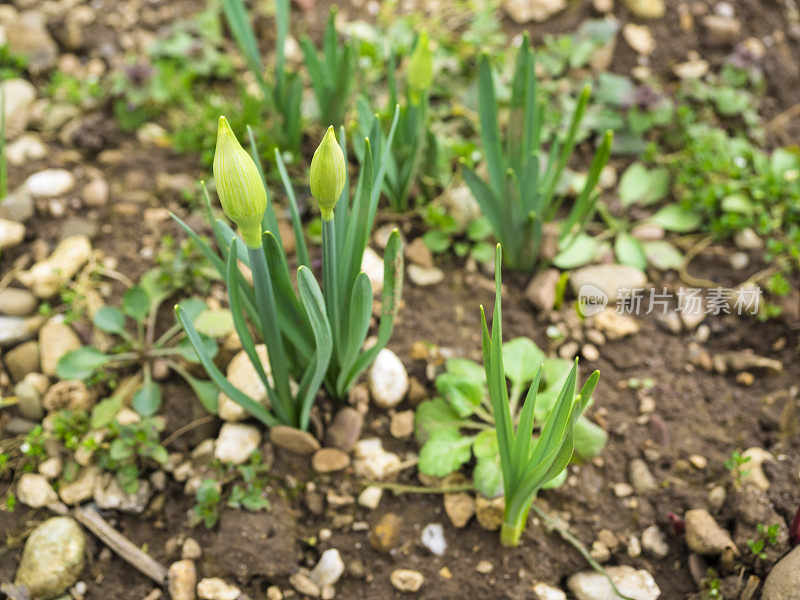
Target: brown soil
[(697, 412)]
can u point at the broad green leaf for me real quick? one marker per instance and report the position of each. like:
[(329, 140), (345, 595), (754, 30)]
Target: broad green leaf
[(444, 452), (629, 251), (674, 218), (120, 449), (521, 359), (638, 184), (81, 363), (110, 319), (193, 307), (488, 476), (136, 303), (485, 444), (434, 415), (590, 439), (147, 399), (662, 255), (579, 251), (215, 323), (466, 369), (104, 412), (737, 203), (437, 241), (463, 394)]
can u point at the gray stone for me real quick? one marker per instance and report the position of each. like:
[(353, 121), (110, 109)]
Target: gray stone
[(784, 579), (17, 302), (17, 329), (345, 429), (108, 494), (30, 400), (721, 31), (18, 205), (591, 585), (81, 488), (293, 440), (640, 477), (53, 558)]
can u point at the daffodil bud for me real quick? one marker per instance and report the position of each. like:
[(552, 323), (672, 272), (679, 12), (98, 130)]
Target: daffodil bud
[(328, 174), (239, 186), (420, 65)]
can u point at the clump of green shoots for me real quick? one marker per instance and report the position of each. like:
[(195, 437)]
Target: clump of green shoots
[(332, 74), (284, 93), (519, 198), (317, 337), (527, 464)]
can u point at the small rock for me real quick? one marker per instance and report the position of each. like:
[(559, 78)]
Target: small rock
[(215, 588), (329, 460), (692, 314), (634, 547), (372, 265), (45, 278), (35, 491), (402, 424), (640, 38), (385, 534), (388, 379), (53, 558), (50, 183), (108, 494), (236, 442), (670, 321), (752, 471), (81, 488), (418, 253), (22, 361), (51, 468), (432, 538), (95, 193), (640, 477), (489, 512), (27, 36), (16, 302), (293, 440), (603, 6), (407, 580), (653, 541), (69, 395), (460, 508), (568, 350), (303, 585), (371, 461), (525, 11), (11, 233), (590, 352), (17, 205), (637, 585), (484, 567), (370, 497), (345, 429), (27, 148), (740, 260), (274, 593), (541, 291), (424, 276), (191, 549), (600, 552), (328, 570), (545, 591), (613, 325), (747, 239), (698, 461), (646, 9), (721, 31), (704, 535), (717, 497), (181, 579), (19, 95), (784, 579), (244, 377), (691, 69), (611, 280), (56, 339)]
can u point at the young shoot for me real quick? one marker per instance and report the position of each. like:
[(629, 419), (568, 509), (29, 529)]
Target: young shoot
[(527, 463)]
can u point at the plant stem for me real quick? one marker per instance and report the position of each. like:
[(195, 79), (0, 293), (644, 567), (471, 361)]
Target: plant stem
[(268, 315), (513, 526), (330, 289)]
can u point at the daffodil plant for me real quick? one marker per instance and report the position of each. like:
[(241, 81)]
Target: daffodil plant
[(520, 197), (527, 463), (311, 337)]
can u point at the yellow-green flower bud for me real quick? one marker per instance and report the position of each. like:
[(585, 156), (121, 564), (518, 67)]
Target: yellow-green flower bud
[(239, 186), (420, 65), (328, 174)]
